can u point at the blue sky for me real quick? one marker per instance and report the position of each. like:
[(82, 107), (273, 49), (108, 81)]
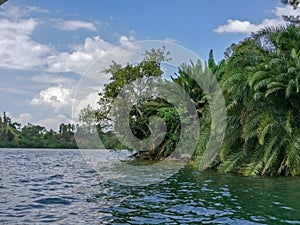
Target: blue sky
[(46, 45)]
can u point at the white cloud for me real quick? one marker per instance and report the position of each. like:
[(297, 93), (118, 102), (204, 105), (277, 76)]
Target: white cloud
[(56, 97), (246, 27), (16, 12), (48, 122), (22, 27), (82, 56), (18, 50), (53, 79), (73, 25), (124, 40), (23, 118), (54, 122), (235, 26)]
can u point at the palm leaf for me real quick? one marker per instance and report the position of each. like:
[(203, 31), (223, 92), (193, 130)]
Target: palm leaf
[(258, 76), (293, 153), (272, 159), (290, 88), (265, 126), (272, 90), (262, 83), (252, 169), (230, 163)]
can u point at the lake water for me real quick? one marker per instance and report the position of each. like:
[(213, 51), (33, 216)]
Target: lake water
[(58, 187)]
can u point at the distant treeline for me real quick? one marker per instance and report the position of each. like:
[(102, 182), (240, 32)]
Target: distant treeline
[(14, 135)]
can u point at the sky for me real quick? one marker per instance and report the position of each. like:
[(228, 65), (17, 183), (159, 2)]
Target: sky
[(45, 46)]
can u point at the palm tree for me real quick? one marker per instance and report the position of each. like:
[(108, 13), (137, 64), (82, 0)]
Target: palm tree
[(277, 79), (185, 80), (263, 105)]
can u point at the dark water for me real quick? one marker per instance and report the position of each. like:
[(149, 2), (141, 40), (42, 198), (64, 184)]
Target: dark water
[(56, 186)]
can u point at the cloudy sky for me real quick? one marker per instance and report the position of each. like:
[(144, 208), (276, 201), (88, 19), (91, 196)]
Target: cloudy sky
[(47, 45)]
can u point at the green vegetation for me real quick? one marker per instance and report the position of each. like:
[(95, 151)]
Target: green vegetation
[(260, 81), (12, 135), (260, 78), (34, 136)]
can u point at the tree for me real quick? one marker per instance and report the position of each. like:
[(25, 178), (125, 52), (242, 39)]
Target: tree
[(5, 119), (134, 80), (62, 128), (185, 79), (263, 104), (211, 62), (121, 76)]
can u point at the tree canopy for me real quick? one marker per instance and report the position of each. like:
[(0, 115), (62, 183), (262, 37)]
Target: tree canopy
[(260, 80), (261, 83)]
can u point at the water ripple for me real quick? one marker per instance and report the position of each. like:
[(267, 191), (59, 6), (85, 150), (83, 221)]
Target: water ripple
[(56, 186)]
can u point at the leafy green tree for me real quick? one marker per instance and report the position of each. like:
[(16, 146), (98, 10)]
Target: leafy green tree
[(120, 78), (263, 105), (145, 72), (211, 62)]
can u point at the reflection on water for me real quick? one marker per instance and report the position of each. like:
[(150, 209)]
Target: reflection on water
[(57, 186), (118, 166)]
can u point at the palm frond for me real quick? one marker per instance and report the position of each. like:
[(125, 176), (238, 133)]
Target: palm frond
[(273, 90), (290, 88), (265, 126), (262, 83), (293, 152), (252, 169), (270, 161), (231, 162), (258, 76)]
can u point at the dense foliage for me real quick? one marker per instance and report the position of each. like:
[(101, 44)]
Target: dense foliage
[(13, 135), (260, 78), (34, 136)]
